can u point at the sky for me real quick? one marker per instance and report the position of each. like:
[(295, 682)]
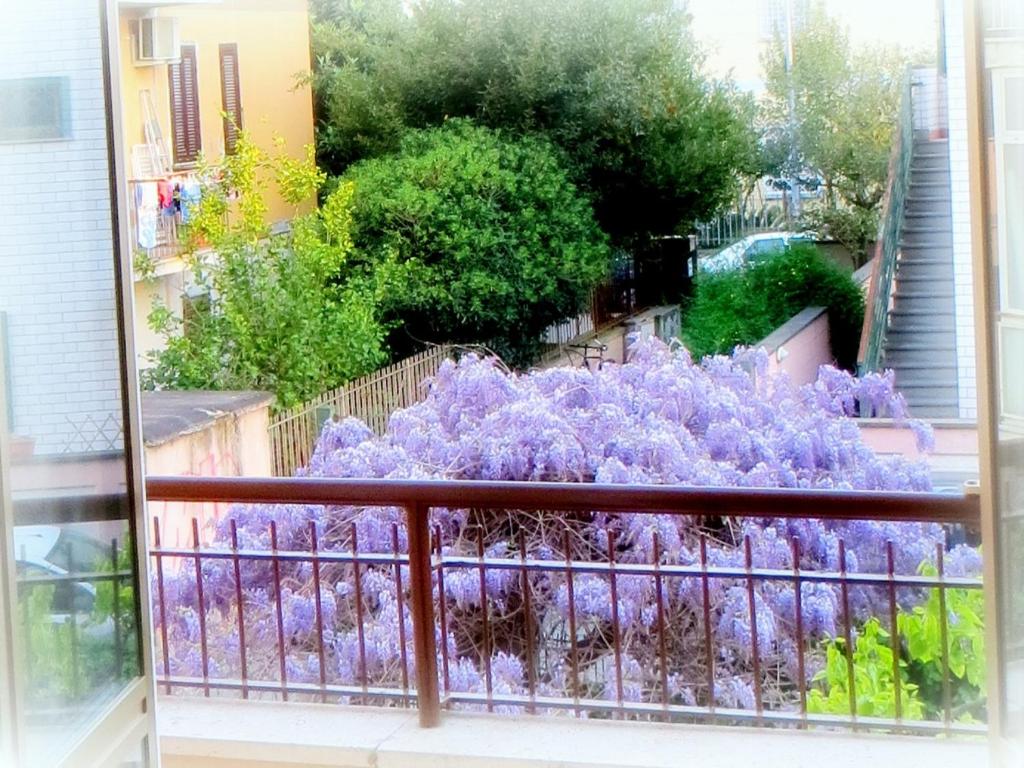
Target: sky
[(730, 31)]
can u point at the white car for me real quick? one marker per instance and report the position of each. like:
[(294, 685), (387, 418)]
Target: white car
[(751, 249)]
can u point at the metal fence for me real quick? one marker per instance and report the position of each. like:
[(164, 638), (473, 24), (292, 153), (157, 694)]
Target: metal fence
[(372, 398), (887, 248), (733, 226), (412, 668)]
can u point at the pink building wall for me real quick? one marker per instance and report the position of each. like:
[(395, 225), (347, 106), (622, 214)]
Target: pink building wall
[(800, 346)]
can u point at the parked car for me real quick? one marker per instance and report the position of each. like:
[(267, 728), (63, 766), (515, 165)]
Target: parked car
[(752, 249)]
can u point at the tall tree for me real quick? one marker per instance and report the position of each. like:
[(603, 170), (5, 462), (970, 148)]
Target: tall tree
[(846, 111), (617, 85)]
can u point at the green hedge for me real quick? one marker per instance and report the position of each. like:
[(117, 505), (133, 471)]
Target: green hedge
[(744, 306)]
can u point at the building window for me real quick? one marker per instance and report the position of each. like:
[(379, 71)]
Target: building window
[(231, 95), (184, 90), (35, 109)]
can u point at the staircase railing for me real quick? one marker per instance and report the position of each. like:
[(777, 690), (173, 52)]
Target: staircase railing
[(882, 286)]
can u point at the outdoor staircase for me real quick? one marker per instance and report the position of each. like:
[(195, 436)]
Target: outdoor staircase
[(920, 339)]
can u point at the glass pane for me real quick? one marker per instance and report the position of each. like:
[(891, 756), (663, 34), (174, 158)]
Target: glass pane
[(1014, 101), (76, 613), (1012, 187)]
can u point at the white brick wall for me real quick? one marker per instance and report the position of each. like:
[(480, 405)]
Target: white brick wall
[(956, 85), (56, 247)]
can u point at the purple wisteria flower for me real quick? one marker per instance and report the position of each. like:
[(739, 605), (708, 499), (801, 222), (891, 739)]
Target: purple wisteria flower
[(659, 419)]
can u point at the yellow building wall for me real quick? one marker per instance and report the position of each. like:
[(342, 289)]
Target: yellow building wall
[(273, 50), (166, 289)]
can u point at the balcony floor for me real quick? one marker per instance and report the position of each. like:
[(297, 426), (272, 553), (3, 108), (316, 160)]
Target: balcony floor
[(202, 733)]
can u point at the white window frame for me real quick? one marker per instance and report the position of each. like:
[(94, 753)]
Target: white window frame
[(1007, 317)]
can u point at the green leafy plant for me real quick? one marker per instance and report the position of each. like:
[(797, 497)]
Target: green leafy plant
[(921, 631), (921, 662), (471, 236), (873, 677), (745, 305), (275, 310), (852, 227), (73, 653)]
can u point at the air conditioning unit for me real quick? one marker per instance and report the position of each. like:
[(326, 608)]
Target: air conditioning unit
[(156, 40)]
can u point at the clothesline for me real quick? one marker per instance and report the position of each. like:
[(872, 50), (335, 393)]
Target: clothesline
[(161, 204)]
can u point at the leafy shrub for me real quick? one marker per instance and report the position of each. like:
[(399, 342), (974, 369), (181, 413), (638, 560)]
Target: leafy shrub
[(618, 86), (469, 236), (275, 313), (965, 634), (873, 679), (921, 662), (659, 419), (744, 306)]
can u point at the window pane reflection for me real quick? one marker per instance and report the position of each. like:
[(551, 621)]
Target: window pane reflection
[(76, 612)]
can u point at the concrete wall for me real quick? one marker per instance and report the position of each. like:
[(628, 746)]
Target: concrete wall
[(231, 443), (235, 445), (963, 280), (954, 459), (56, 244), (800, 346)]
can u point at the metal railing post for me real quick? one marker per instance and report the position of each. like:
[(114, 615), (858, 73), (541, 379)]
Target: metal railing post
[(421, 603)]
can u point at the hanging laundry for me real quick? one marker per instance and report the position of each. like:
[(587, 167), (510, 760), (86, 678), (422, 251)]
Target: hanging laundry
[(147, 210), (190, 194), (165, 195)]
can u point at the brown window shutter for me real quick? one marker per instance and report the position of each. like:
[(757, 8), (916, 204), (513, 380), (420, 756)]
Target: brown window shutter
[(183, 79), (230, 94)]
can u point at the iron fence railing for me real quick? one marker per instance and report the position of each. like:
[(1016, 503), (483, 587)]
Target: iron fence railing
[(735, 225), (577, 661), (882, 286)]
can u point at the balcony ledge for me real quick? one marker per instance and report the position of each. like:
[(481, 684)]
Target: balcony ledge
[(202, 733)]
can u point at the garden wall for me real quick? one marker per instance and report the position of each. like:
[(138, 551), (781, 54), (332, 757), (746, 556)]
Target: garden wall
[(211, 434), (800, 345)]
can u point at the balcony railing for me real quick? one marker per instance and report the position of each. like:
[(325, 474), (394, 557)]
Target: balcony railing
[(887, 248), (408, 619)]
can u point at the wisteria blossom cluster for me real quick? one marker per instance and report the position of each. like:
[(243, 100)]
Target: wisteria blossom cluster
[(658, 419)]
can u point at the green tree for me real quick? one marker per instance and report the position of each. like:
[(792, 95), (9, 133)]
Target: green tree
[(846, 111), (616, 84), (466, 235), (276, 312)]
